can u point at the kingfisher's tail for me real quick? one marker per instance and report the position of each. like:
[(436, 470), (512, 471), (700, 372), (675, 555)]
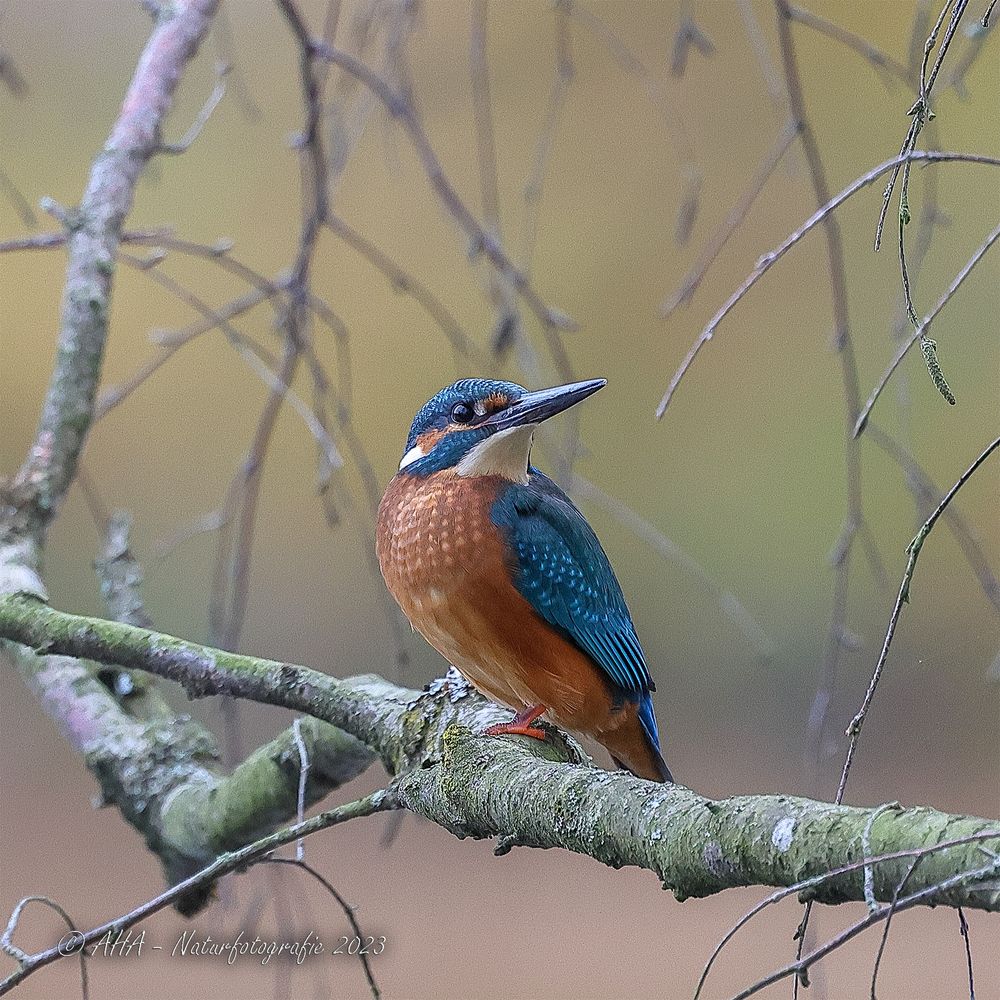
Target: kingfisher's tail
[(635, 745)]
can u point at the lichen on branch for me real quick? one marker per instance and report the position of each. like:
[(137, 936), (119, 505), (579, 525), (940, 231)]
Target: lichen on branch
[(546, 795)]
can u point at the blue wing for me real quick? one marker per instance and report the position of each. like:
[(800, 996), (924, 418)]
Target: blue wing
[(563, 573)]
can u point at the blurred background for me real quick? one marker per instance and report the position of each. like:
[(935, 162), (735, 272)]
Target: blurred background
[(643, 159)]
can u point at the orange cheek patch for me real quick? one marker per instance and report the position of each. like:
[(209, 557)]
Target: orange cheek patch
[(428, 439)]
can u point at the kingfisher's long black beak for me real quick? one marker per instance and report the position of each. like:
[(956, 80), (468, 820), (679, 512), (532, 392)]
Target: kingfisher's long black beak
[(534, 407)]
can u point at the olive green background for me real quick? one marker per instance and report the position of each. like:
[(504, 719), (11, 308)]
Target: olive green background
[(745, 472)]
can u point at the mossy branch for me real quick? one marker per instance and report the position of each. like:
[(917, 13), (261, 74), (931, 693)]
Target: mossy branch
[(547, 795), (160, 769)]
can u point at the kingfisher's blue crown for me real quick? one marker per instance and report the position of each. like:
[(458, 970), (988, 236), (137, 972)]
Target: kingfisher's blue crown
[(466, 413), (436, 412)]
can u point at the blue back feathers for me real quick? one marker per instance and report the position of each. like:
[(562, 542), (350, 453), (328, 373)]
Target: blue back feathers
[(563, 573)]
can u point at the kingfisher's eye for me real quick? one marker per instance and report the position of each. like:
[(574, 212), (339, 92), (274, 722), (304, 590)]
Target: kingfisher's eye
[(462, 413)]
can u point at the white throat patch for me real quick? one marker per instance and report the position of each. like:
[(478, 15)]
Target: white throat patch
[(411, 456), (502, 454)]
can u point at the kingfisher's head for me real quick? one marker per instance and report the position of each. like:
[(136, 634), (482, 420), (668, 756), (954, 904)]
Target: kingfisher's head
[(482, 427)]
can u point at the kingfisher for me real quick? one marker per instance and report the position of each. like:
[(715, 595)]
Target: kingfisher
[(501, 573)]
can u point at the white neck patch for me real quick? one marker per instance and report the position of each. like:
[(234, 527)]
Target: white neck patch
[(411, 456), (502, 454)]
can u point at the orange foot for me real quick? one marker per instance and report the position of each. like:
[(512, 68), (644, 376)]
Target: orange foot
[(520, 725)]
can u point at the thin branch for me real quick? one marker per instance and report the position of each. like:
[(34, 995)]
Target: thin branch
[(20, 204), (893, 904), (963, 929), (630, 63), (12, 77), (501, 293), (928, 494), (211, 103), (222, 35), (882, 913), (232, 861), (872, 53), (976, 39), (688, 35), (913, 553), (920, 113), (769, 259), (854, 524), (739, 211), (37, 241), (171, 342), (807, 885), (345, 906), (535, 184), (728, 603), (843, 344), (758, 42), (248, 352), (400, 107), (405, 283), (920, 333), (21, 957), (249, 476)]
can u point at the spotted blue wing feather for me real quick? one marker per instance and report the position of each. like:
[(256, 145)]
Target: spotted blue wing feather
[(564, 574)]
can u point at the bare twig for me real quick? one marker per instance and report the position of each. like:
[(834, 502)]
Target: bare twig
[(230, 862), (797, 967), (171, 342), (893, 903), (630, 63), (211, 103), (405, 283), (843, 344), (976, 38), (222, 35), (769, 259), (882, 61), (300, 745), (37, 241), (563, 77), (732, 221), (11, 76), (248, 478), (758, 42), (920, 114), (963, 928), (400, 106), (808, 885), (16, 198), (920, 333), (688, 35), (349, 912), (882, 913), (21, 957), (929, 496), (913, 553)]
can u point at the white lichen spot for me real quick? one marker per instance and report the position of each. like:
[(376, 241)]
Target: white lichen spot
[(781, 835)]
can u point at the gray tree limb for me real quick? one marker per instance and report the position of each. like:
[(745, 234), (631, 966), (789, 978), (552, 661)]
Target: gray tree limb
[(95, 232), (158, 767), (546, 795)]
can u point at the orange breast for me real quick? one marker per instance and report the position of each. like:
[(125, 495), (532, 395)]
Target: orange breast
[(445, 563)]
